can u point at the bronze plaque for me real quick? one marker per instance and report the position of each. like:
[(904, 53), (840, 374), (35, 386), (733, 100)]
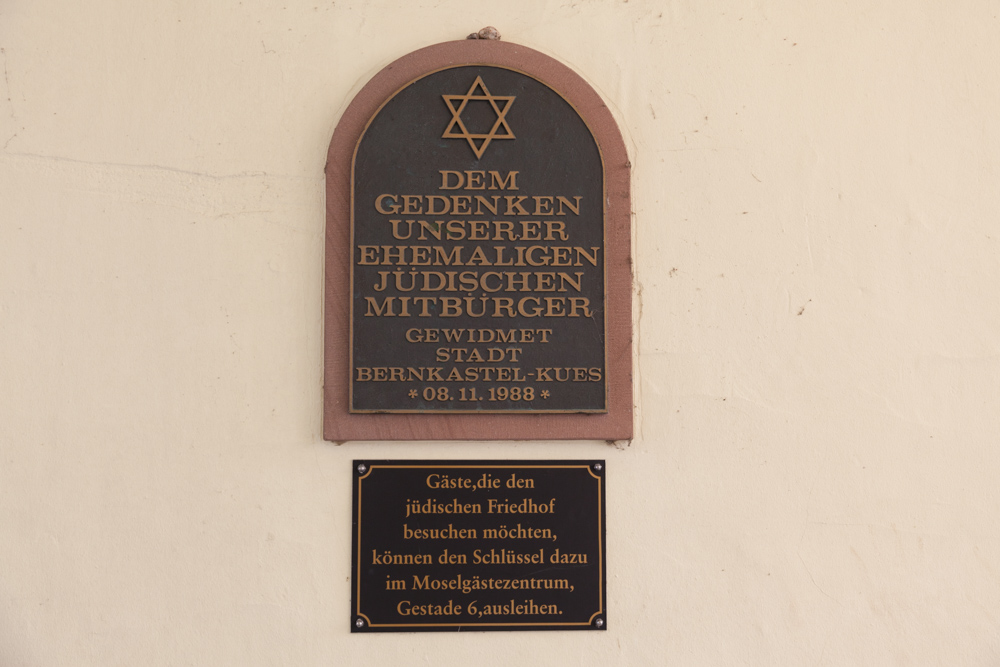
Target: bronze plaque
[(478, 545), (478, 279), (478, 241)]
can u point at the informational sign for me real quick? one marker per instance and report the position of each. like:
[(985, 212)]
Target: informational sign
[(478, 271), (478, 545)]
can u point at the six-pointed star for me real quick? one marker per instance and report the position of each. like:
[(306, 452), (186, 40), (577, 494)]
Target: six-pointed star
[(456, 117)]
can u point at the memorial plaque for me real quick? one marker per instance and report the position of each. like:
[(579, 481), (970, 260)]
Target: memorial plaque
[(478, 545), (478, 272), (478, 243)]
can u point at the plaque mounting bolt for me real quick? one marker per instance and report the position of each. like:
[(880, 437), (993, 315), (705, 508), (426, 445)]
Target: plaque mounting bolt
[(361, 471), (359, 623), (599, 622), (598, 467)]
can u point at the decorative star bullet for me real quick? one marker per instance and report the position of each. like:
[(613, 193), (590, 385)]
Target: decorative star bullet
[(456, 104)]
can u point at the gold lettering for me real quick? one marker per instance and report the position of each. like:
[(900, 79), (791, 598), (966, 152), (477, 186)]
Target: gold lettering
[(374, 310), (497, 183), (450, 306), (420, 255), (400, 254), (590, 258), (529, 230), (514, 205), (445, 205), (563, 200), (475, 180), (378, 204), (478, 230), (503, 303), (580, 303), (554, 306), (446, 175), (521, 308), (478, 258), (455, 257), (411, 204), (554, 226), (502, 227), (517, 284), (486, 288), (369, 255), (531, 256), (481, 202), (395, 229), (543, 205), (575, 284), (424, 300)]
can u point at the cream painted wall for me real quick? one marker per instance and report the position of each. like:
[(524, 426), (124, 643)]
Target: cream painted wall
[(813, 480)]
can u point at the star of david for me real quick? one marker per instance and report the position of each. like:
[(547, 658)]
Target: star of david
[(456, 104)]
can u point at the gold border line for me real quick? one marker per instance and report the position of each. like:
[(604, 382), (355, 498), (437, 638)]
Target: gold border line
[(358, 574), (600, 552), (604, 238), (466, 625), (481, 466)]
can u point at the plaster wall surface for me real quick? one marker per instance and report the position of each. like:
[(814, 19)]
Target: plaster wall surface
[(817, 297)]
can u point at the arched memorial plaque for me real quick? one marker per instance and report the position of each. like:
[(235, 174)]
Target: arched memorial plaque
[(478, 278)]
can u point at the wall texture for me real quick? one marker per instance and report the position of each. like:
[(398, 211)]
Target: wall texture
[(817, 292)]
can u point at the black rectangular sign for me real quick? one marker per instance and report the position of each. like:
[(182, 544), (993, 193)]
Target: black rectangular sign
[(478, 545)]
